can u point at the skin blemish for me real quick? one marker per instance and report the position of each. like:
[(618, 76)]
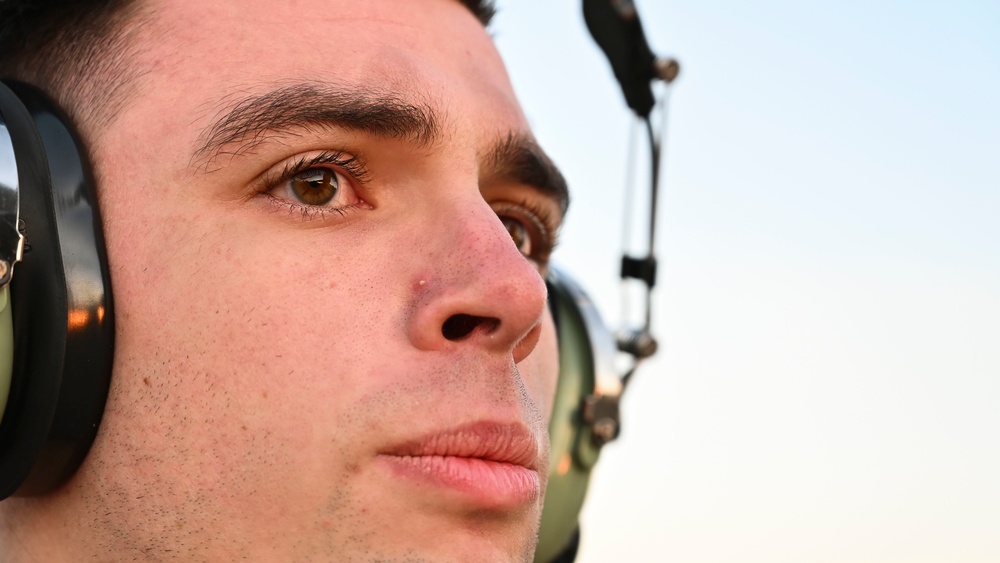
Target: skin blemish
[(420, 282)]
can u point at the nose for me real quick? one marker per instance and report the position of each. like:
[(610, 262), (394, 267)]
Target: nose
[(474, 287)]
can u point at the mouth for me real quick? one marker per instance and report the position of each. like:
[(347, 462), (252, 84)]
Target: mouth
[(486, 465)]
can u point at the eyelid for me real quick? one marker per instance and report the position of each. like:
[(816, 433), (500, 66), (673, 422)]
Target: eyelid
[(352, 168), (540, 217)]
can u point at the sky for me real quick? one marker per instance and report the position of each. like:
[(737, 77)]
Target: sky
[(828, 305)]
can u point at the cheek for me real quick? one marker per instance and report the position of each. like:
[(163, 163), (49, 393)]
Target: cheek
[(221, 330), (215, 310)]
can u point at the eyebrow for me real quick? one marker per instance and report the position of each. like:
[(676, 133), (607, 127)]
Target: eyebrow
[(247, 122), (518, 158)]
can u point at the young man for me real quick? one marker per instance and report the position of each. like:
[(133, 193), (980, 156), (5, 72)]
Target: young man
[(328, 347)]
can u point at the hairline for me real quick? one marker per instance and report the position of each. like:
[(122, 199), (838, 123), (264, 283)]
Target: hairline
[(104, 59), (111, 79)]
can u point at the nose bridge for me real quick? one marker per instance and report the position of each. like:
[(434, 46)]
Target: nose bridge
[(470, 268)]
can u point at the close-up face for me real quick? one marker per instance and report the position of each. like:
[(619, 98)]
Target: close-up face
[(327, 225)]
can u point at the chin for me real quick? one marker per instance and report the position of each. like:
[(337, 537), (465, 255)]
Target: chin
[(484, 545), (481, 537)]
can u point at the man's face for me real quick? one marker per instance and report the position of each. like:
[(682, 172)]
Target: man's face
[(328, 345)]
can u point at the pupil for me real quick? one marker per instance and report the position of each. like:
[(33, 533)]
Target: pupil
[(315, 187)]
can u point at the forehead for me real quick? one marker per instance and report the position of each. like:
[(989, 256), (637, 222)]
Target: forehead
[(204, 55)]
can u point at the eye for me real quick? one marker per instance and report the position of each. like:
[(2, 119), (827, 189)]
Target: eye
[(316, 186), (519, 234), (528, 229), (315, 189)]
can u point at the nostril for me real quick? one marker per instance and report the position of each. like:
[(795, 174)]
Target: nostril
[(458, 327)]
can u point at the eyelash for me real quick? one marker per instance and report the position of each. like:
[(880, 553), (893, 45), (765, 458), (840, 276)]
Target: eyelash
[(550, 230), (355, 168), (338, 162)]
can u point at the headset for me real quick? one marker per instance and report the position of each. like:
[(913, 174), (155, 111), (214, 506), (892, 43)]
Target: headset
[(57, 322), (58, 316)]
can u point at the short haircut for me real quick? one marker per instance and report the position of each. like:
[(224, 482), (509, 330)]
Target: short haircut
[(78, 51)]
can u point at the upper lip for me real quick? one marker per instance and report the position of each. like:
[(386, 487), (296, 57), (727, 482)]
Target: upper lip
[(491, 441)]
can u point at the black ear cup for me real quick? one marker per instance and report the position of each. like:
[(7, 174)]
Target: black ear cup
[(60, 297), (586, 371)]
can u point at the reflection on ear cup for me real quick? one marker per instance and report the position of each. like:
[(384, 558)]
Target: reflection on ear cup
[(60, 299), (585, 349)]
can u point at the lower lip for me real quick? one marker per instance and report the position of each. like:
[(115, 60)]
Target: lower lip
[(483, 483)]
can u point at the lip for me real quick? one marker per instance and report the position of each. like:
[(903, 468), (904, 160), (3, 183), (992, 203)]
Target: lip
[(483, 464)]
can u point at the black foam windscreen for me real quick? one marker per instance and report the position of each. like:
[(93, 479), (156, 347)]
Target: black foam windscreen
[(616, 28)]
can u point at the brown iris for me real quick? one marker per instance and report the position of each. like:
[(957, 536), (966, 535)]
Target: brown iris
[(316, 186), (519, 233)]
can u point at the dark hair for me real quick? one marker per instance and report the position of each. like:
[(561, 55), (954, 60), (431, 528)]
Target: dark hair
[(482, 9), (79, 50), (75, 50)]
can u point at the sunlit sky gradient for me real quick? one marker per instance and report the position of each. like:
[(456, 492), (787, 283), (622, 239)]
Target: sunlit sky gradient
[(829, 385)]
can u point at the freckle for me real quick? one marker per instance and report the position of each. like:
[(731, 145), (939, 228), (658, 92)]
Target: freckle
[(146, 381), (264, 394)]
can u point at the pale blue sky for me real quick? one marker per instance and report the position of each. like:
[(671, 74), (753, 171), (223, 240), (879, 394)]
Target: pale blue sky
[(829, 388)]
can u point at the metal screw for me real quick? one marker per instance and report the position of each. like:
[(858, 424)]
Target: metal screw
[(605, 430), (667, 69)]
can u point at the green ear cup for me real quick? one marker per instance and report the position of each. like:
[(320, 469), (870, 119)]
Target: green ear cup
[(568, 479), (6, 348), (586, 354)]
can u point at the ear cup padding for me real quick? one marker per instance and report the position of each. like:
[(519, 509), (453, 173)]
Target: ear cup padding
[(61, 302)]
